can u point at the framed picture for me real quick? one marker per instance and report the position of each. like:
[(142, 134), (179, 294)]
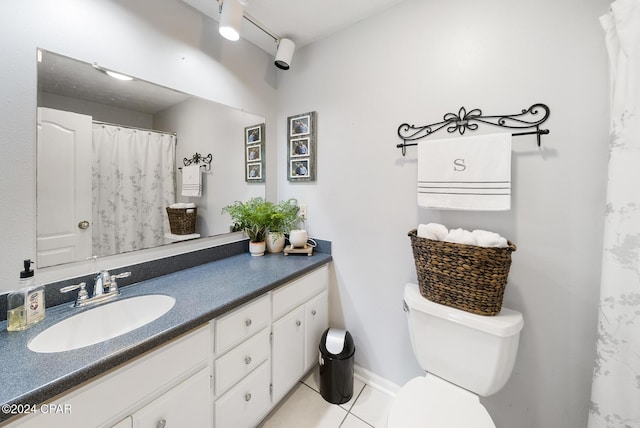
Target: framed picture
[(254, 153), (253, 134), (300, 125), (301, 147), (254, 172), (299, 168)]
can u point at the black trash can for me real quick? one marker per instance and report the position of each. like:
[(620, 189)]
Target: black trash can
[(336, 365)]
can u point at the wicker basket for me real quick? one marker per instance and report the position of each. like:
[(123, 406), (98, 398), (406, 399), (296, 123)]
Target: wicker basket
[(182, 221), (466, 277)]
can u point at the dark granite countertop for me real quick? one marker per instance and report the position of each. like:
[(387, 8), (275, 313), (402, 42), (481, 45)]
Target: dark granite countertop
[(202, 293)]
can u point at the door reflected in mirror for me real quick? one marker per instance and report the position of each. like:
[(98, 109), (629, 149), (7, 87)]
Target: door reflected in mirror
[(110, 154)]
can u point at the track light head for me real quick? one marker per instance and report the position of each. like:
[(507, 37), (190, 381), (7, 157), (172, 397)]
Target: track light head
[(231, 19), (284, 55)]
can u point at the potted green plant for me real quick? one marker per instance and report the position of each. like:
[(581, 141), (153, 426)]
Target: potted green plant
[(284, 217), (253, 217)]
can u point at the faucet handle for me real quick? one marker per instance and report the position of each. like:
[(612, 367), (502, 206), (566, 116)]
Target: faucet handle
[(82, 294), (121, 275), (114, 286)]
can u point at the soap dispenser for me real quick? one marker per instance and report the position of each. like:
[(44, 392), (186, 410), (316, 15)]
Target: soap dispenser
[(26, 306)]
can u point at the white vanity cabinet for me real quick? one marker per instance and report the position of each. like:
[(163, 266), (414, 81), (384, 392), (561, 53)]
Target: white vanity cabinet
[(229, 373), (186, 405), (242, 364), (264, 347), (114, 398), (300, 314)]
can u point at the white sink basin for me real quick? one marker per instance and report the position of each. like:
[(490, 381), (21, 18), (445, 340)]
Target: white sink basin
[(101, 323)]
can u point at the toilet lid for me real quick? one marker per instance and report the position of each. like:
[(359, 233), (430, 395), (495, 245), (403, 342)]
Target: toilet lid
[(430, 402)]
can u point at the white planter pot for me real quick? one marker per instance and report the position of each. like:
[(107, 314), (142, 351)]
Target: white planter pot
[(275, 242), (298, 238), (256, 248)]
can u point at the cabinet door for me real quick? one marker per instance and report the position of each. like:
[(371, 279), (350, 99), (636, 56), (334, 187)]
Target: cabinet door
[(316, 313), (287, 352), (186, 405)]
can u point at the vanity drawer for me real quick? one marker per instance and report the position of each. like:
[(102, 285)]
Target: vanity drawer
[(299, 291), (236, 326), (247, 402), (241, 360)]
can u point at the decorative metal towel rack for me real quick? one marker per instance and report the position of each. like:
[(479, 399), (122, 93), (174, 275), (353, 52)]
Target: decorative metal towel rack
[(197, 158), (527, 119)]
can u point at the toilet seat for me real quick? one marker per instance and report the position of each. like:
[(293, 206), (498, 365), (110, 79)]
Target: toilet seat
[(431, 402)]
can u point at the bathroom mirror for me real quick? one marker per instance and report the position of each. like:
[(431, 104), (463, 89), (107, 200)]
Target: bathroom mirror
[(79, 217)]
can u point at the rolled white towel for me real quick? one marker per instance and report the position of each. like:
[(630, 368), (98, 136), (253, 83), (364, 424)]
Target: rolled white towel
[(433, 231), (485, 238), (461, 236)]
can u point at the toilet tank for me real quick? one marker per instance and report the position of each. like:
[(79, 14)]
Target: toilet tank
[(472, 351)]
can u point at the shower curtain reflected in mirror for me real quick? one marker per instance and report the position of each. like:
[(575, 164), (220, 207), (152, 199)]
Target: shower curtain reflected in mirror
[(133, 181), (615, 394)]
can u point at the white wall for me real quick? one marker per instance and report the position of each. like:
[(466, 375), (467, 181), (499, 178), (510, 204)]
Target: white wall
[(414, 63), (210, 128), (162, 41)]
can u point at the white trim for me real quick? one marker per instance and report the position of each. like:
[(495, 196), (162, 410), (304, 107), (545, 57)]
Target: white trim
[(376, 381)]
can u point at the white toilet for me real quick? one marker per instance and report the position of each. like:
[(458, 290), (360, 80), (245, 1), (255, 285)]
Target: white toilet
[(465, 356)]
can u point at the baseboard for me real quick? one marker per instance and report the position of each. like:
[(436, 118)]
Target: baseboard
[(376, 381)]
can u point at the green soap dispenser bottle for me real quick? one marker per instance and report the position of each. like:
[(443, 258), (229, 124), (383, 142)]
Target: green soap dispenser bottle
[(25, 307)]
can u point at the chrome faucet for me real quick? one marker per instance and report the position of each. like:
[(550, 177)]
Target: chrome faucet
[(105, 288)]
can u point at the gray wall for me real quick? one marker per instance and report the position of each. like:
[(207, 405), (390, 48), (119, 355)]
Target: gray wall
[(414, 63)]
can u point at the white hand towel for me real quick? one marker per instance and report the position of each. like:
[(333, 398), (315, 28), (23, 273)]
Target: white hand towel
[(433, 231), (485, 238), (461, 236), (465, 173), (191, 181)]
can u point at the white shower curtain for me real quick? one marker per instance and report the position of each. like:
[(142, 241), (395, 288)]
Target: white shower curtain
[(615, 395), (133, 183)]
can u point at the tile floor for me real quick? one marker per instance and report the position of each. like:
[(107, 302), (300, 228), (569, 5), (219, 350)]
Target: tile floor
[(305, 408)]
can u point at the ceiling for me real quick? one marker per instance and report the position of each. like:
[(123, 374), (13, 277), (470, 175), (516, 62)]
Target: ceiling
[(303, 21)]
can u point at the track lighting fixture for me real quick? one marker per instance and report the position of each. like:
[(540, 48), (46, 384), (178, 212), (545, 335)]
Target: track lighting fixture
[(231, 15), (231, 19), (284, 53)]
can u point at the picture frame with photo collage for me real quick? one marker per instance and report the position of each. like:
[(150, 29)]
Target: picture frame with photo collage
[(301, 147), (254, 153)]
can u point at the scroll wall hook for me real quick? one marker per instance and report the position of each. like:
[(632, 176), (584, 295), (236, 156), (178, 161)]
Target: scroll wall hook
[(197, 158), (529, 118)]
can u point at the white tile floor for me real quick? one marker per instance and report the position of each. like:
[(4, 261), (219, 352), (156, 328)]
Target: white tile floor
[(305, 408)]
